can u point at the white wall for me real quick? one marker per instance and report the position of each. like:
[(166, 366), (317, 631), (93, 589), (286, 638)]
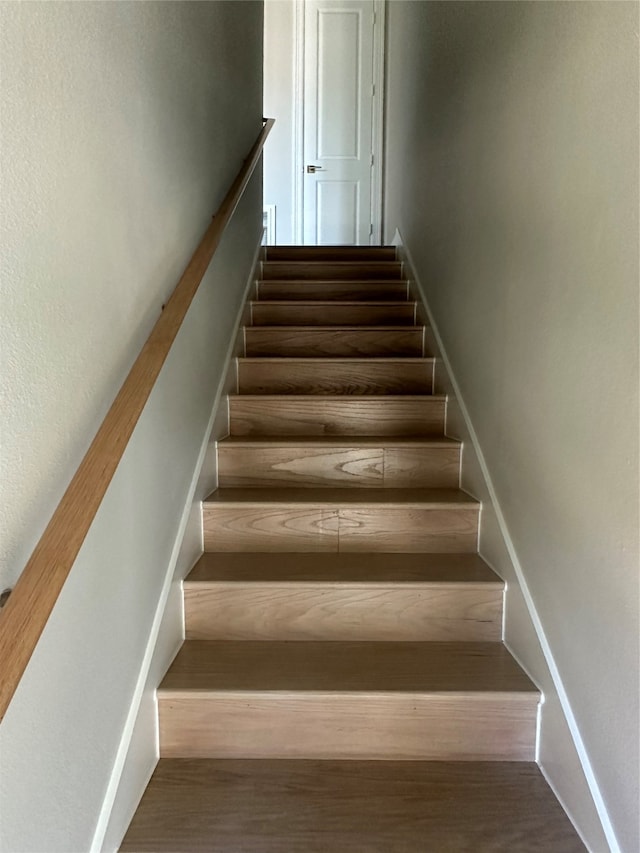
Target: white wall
[(123, 124), (279, 95), (512, 174)]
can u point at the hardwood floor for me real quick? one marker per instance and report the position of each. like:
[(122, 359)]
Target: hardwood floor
[(380, 667), (326, 461), (341, 270), (363, 569), (331, 253), (343, 597), (343, 685), (235, 806), (348, 290), (317, 313), (291, 414), (347, 700), (346, 341), (329, 519), (330, 376)]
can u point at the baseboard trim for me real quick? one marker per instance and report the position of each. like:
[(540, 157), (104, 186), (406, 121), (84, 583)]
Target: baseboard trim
[(578, 744), (119, 804)]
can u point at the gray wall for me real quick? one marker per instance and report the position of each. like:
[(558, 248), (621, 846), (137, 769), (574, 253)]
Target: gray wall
[(123, 125), (512, 176)]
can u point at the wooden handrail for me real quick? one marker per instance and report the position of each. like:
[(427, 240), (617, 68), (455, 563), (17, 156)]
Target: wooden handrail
[(27, 610)]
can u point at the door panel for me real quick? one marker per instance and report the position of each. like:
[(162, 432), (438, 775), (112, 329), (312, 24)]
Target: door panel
[(338, 113), (337, 212), (338, 84)]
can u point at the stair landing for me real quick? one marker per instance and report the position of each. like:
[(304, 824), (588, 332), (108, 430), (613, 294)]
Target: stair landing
[(240, 806)]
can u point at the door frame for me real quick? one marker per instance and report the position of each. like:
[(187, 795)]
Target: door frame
[(377, 141)]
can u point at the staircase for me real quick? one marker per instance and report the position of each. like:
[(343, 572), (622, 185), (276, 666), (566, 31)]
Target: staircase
[(343, 685)]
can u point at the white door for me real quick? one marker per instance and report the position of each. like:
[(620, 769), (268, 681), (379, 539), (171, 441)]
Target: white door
[(338, 119)]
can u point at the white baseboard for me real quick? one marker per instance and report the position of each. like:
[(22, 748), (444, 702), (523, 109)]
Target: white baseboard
[(138, 751), (523, 632)]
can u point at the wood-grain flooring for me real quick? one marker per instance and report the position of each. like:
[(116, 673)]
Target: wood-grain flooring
[(335, 290), (342, 725), (343, 270), (383, 700), (329, 519), (291, 414), (342, 597), (328, 376), (346, 667), (343, 568), (328, 461), (319, 611), (330, 253), (306, 611), (235, 806), (323, 313), (345, 341)]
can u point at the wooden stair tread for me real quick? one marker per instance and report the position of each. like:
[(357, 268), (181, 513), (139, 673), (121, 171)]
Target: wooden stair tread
[(321, 303), (298, 518), (333, 328), (319, 313), (348, 360), (337, 414), (368, 569), (341, 441), (268, 598), (316, 399), (323, 253), (336, 498), (351, 263), (343, 376), (273, 806), (346, 667), (350, 282), (339, 341), (334, 290), (298, 806), (322, 269)]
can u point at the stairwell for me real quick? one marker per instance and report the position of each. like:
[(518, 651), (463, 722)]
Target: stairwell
[(343, 684)]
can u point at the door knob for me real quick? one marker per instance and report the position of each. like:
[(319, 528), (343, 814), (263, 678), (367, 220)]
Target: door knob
[(311, 170)]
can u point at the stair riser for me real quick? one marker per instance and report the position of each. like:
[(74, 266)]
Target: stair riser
[(295, 416), (337, 290), (345, 343), (326, 377), (331, 253), (264, 527), (467, 727), (323, 270), (264, 314), (245, 611), (369, 467)]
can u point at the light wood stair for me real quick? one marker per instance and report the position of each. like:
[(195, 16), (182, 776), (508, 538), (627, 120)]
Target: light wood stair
[(266, 806), (345, 341), (352, 596), (405, 520), (343, 685), (325, 461), (330, 376), (343, 270), (351, 291)]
